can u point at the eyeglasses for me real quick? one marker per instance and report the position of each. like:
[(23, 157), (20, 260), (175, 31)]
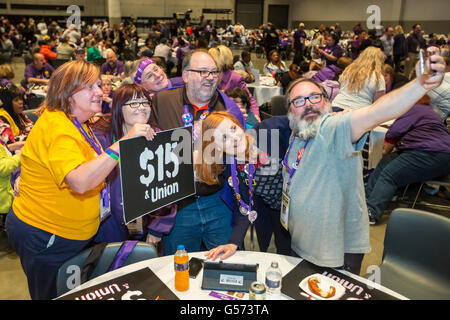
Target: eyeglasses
[(135, 105), (301, 101), (206, 73)]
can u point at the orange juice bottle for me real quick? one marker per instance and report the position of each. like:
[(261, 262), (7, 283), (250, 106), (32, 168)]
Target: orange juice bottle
[(181, 262)]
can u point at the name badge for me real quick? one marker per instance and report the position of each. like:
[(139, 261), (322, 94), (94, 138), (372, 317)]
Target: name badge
[(231, 279), (105, 204), (284, 216)]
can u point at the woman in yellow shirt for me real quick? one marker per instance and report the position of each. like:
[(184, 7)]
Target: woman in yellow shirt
[(62, 192)]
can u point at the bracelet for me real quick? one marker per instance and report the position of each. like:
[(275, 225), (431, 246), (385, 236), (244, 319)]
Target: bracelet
[(112, 154)]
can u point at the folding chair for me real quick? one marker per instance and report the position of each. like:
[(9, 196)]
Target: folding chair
[(416, 259), (71, 268)]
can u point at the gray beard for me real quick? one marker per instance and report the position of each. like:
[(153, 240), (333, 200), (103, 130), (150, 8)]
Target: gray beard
[(305, 129)]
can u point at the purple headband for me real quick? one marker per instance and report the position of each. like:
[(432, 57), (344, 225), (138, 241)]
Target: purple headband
[(142, 66)]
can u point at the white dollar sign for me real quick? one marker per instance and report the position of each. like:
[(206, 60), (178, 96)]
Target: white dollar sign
[(144, 158)]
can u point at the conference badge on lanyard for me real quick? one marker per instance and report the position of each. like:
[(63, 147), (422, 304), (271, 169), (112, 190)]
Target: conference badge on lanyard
[(105, 206), (285, 199), (105, 203), (284, 216)]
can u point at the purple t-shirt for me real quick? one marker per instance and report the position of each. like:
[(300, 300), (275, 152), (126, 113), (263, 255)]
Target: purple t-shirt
[(326, 73), (109, 70), (333, 50), (420, 129), (298, 35), (32, 72)]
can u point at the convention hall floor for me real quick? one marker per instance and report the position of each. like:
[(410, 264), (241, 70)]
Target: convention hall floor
[(13, 283)]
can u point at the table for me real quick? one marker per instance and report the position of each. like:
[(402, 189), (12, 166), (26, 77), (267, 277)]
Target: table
[(376, 142), (163, 268), (262, 93), (39, 90)]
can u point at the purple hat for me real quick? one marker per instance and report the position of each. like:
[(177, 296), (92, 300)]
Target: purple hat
[(142, 66), (79, 50)]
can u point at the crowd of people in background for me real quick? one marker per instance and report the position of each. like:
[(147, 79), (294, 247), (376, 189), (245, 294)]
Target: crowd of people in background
[(192, 68)]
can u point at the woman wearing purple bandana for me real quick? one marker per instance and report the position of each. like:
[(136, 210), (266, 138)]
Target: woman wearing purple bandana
[(153, 78)]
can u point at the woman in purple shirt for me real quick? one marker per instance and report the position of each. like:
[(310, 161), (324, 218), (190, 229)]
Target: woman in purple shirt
[(230, 79), (423, 144), (130, 105), (332, 52)]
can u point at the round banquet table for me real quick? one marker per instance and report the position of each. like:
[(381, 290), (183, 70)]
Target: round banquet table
[(163, 268), (262, 93)]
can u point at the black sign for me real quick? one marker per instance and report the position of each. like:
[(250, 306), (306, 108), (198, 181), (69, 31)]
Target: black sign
[(139, 285), (354, 290), (156, 173)]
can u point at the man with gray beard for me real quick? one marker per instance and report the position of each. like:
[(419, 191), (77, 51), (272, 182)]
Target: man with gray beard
[(323, 201)]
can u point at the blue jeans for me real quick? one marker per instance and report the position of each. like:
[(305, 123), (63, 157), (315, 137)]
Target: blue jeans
[(41, 255), (398, 169), (207, 220)]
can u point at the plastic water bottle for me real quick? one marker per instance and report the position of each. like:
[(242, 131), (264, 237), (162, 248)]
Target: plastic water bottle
[(273, 279), (181, 264)]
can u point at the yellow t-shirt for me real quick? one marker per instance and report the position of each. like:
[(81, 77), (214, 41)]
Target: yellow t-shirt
[(54, 147)]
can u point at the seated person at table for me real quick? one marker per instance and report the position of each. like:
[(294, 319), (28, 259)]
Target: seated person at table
[(46, 47), (230, 79), (93, 52), (245, 64), (65, 51), (289, 76), (274, 64), (80, 54), (241, 98), (38, 71), (108, 94), (393, 79), (14, 124), (113, 67), (247, 162), (423, 153), (9, 161), (332, 72), (130, 106)]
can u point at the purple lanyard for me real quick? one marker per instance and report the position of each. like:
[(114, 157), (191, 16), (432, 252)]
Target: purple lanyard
[(3, 143), (251, 171), (300, 153), (89, 136)]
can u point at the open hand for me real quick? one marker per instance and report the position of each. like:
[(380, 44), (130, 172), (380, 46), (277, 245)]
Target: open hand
[(227, 250)]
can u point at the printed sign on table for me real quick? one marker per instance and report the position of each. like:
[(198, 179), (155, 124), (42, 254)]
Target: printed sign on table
[(353, 289), (156, 173), (139, 285)]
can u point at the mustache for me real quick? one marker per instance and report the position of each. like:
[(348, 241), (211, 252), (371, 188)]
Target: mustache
[(310, 109)]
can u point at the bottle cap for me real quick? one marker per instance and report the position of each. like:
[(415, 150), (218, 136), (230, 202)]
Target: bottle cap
[(180, 247), (275, 264)]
